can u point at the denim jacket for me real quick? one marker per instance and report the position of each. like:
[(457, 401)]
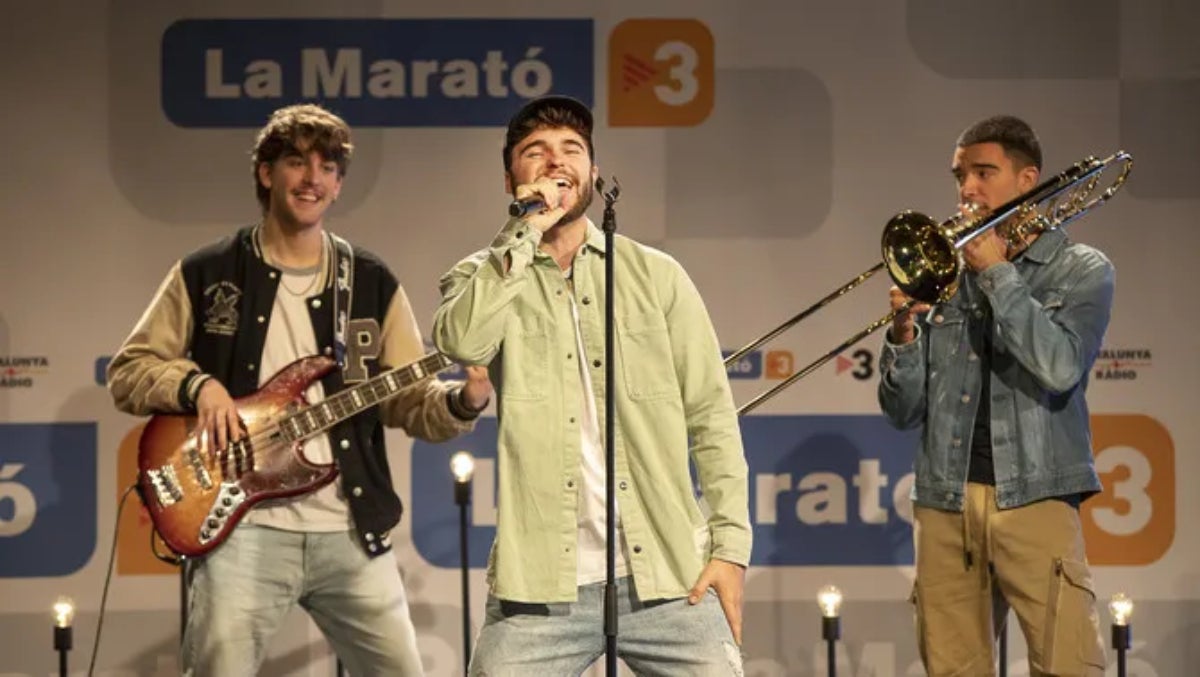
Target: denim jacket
[(1049, 310)]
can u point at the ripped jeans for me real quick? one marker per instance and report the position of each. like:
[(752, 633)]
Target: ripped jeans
[(662, 637)]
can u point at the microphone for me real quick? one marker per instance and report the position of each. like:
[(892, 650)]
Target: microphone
[(525, 206)]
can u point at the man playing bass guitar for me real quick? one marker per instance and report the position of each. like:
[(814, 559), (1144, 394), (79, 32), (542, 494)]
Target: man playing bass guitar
[(224, 321)]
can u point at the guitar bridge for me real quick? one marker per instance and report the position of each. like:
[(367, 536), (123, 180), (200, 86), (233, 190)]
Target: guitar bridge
[(229, 497), (166, 485)]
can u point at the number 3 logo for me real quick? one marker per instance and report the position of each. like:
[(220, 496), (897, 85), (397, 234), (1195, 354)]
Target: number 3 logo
[(1132, 522), (682, 74), (660, 73)]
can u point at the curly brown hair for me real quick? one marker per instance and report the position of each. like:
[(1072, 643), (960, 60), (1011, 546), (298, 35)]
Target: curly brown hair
[(297, 128)]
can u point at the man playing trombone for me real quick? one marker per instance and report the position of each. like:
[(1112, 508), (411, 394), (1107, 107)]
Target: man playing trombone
[(996, 376)]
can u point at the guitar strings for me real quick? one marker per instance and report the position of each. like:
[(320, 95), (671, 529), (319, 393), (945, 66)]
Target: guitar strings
[(222, 456)]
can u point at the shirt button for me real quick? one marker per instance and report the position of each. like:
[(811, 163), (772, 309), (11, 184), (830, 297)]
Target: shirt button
[(357, 491), (637, 549), (250, 366), (372, 547), (369, 536), (570, 484), (957, 442), (938, 319), (571, 420), (271, 275), (316, 303), (520, 233), (558, 292), (345, 444), (328, 350), (261, 319), (966, 398), (586, 300), (569, 355), (624, 485), (596, 363)]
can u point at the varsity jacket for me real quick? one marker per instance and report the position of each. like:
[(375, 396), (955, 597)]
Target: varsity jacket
[(210, 316)]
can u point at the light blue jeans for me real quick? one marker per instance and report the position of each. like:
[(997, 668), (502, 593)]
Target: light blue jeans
[(663, 637), (241, 592)]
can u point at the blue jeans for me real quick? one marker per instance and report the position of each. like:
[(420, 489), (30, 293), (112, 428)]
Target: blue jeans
[(662, 637), (241, 592)]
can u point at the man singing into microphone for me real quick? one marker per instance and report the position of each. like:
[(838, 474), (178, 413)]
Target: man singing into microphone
[(530, 306)]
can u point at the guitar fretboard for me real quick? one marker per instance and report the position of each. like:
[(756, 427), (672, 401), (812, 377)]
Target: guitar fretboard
[(334, 409)]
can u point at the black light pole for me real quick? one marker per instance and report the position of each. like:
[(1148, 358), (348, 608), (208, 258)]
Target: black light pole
[(610, 426), (1121, 608), (184, 565), (462, 465), (64, 615), (829, 598), (1004, 647)]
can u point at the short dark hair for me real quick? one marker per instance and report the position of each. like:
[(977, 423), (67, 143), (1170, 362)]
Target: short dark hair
[(548, 112), (1014, 135), (292, 127)]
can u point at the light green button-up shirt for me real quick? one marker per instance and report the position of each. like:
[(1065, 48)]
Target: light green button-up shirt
[(671, 387)]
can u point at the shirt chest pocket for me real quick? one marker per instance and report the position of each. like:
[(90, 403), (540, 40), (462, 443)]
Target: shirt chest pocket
[(947, 333), (1052, 300), (646, 360), (525, 360)]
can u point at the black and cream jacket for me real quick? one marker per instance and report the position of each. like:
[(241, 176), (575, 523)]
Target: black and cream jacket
[(210, 316)]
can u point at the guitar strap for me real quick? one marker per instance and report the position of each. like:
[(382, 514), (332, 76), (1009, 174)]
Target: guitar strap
[(343, 296)]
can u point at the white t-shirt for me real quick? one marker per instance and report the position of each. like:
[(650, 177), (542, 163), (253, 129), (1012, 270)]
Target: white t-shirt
[(591, 549), (290, 336)]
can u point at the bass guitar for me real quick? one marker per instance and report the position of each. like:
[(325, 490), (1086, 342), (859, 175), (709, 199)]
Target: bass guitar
[(196, 498)]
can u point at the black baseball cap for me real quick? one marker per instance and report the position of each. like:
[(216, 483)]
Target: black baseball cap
[(534, 107)]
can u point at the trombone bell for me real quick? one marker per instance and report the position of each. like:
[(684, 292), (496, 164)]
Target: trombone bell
[(920, 258)]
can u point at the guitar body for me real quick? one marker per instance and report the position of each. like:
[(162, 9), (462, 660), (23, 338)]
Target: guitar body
[(196, 499)]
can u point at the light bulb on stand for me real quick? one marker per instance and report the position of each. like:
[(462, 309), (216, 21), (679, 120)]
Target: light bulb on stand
[(1121, 608), (462, 465), (64, 612), (829, 598)]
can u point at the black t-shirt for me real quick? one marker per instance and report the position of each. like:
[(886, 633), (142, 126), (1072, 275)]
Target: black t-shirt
[(982, 467)]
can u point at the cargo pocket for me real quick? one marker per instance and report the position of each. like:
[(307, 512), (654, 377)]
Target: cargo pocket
[(1072, 641)]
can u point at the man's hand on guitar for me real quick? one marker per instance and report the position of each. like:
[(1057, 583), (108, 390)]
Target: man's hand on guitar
[(217, 417)]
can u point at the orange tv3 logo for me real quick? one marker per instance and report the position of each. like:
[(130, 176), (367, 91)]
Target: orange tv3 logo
[(1132, 521), (660, 73), (780, 364)]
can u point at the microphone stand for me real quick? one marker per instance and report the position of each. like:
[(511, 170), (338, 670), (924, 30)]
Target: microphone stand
[(610, 587)]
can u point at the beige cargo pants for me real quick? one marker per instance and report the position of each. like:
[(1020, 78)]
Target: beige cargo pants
[(973, 566)]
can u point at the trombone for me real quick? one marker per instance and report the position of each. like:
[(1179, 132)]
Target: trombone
[(924, 257)]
